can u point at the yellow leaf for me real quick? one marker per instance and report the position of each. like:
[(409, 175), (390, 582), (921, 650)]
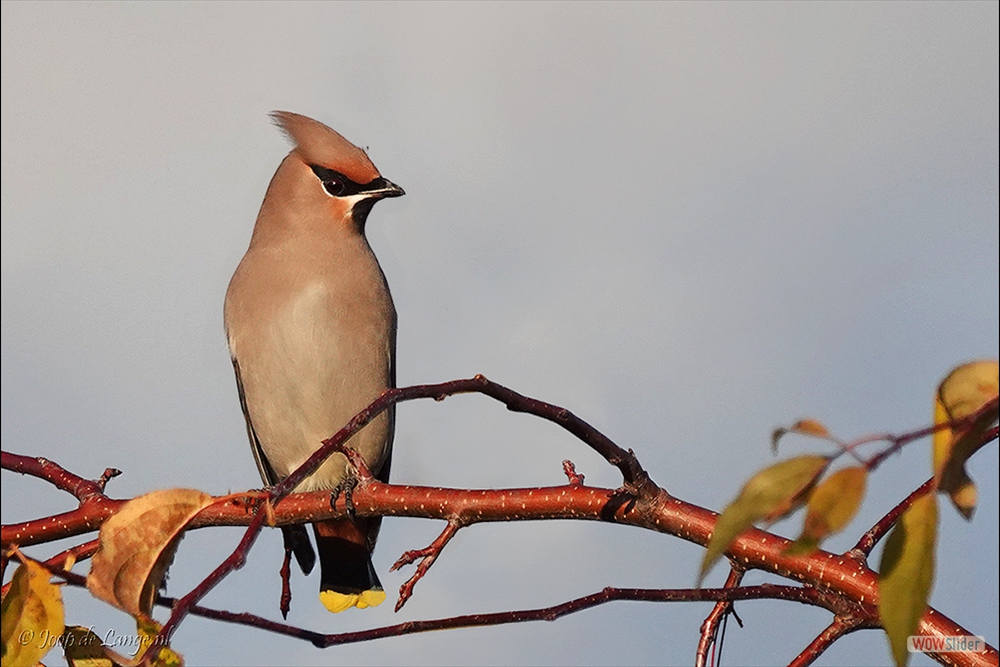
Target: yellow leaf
[(964, 392), (906, 573), (83, 648), (163, 656), (31, 616), (137, 546), (831, 506), (969, 387), (810, 427), (769, 495)]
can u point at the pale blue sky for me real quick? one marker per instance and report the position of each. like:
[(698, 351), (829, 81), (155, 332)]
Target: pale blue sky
[(688, 223)]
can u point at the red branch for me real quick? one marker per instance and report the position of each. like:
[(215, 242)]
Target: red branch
[(803, 595), (710, 627), (58, 476), (848, 586), (885, 524), (637, 482), (898, 441), (427, 556), (575, 478), (840, 626), (842, 575), (634, 476)]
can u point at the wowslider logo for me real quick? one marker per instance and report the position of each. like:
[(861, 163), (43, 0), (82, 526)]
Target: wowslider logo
[(948, 644)]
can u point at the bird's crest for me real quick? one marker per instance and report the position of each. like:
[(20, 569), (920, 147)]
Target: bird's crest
[(321, 146)]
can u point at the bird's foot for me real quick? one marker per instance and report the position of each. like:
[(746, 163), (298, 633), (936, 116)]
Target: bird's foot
[(346, 488)]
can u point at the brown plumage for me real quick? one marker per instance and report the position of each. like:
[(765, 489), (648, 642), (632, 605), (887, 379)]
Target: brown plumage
[(312, 332)]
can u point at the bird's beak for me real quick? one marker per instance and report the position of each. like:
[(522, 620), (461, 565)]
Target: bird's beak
[(384, 188)]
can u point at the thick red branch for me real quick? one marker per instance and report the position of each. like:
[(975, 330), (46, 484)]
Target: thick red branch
[(86, 518)]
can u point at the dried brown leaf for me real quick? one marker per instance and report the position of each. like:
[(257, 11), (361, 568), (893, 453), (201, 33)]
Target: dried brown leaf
[(138, 545)]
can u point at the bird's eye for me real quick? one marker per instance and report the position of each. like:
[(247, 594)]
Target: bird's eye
[(334, 186)]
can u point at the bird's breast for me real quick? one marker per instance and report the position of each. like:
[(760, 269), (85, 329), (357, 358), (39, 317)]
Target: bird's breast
[(315, 344)]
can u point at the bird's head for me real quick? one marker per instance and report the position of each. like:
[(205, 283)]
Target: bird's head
[(325, 175)]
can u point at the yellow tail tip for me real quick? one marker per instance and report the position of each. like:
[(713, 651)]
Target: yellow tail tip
[(337, 602), (371, 598)]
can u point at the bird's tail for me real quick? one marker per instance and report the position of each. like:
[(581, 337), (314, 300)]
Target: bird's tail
[(297, 541), (347, 576)]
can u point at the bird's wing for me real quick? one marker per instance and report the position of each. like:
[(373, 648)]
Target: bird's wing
[(296, 538), (266, 471), (383, 473)]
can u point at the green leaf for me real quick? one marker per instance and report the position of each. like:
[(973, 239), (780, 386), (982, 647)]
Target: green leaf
[(769, 495), (906, 573)]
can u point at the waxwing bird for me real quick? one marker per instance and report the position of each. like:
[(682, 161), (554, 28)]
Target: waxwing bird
[(312, 334)]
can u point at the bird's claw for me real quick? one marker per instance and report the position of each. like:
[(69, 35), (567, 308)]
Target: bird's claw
[(346, 487)]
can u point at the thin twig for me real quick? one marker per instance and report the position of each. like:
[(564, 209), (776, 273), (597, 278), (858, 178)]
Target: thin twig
[(56, 475), (898, 441), (839, 627), (569, 469), (182, 607), (710, 627), (285, 602), (427, 556), (803, 595), (632, 472), (882, 527)]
